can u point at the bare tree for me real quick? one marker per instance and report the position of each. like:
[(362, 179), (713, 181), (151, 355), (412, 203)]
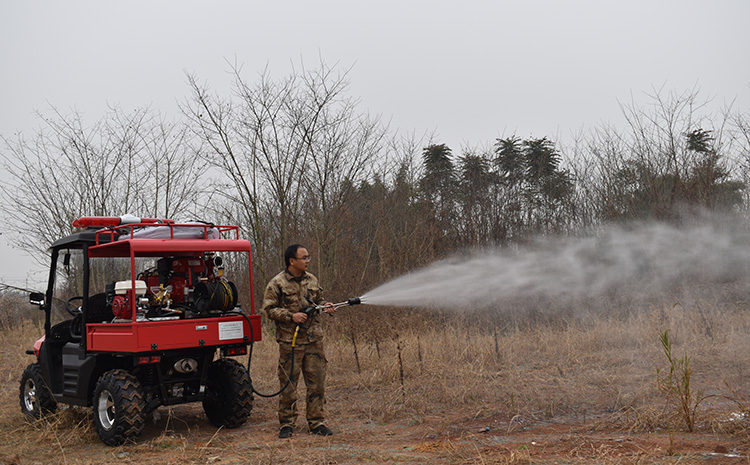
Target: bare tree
[(290, 150), (344, 150), (170, 177), (740, 143), (123, 163), (673, 154)]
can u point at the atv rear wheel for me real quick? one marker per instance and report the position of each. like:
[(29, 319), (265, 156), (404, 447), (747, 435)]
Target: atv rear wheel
[(36, 400), (228, 399), (118, 407)]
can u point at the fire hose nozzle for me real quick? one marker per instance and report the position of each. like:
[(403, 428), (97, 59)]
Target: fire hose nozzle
[(352, 301)]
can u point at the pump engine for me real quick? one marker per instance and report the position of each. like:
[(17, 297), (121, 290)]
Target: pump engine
[(122, 293), (189, 285)]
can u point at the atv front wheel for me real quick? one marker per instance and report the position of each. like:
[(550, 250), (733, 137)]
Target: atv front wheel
[(228, 399), (36, 400), (118, 407)]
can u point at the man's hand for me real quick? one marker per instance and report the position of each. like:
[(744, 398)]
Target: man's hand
[(301, 317)]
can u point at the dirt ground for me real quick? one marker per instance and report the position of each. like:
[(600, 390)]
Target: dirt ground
[(549, 396), (183, 436)]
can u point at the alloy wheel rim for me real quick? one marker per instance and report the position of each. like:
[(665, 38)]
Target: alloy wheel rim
[(29, 395), (106, 409)]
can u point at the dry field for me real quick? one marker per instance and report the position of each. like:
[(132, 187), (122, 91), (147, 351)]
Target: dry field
[(454, 392)]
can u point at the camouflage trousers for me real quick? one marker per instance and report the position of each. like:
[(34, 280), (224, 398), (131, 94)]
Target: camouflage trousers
[(310, 359)]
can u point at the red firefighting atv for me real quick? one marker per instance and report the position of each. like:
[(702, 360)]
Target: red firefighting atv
[(152, 321)]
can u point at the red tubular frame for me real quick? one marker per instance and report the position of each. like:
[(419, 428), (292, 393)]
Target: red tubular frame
[(139, 336)]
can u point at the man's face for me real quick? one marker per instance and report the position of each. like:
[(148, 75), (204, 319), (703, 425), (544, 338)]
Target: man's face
[(299, 263)]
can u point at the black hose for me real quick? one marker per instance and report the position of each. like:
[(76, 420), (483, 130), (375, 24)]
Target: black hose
[(250, 357)]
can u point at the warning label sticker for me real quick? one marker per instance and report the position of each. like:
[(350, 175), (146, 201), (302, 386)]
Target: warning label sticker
[(231, 330)]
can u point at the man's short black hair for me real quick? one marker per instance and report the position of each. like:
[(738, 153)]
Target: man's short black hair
[(291, 252)]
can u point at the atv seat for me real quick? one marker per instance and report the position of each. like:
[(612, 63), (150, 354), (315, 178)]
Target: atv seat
[(62, 333), (99, 311)]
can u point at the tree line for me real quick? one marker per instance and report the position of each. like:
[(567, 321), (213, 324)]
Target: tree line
[(296, 160)]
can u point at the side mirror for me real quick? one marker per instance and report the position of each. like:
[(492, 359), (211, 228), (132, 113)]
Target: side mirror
[(37, 298)]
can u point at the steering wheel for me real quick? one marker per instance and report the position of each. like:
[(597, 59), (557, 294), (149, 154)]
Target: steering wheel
[(74, 311)]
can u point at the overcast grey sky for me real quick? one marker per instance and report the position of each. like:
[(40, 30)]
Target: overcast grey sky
[(468, 71)]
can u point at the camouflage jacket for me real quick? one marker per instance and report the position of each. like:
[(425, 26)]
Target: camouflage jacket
[(285, 295)]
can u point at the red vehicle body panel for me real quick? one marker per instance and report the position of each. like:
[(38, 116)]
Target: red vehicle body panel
[(171, 334)]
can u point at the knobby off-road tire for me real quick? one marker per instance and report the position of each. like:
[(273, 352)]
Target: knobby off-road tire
[(228, 399), (118, 407), (36, 400)]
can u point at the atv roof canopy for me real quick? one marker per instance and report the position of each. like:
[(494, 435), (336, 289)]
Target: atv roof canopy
[(155, 238)]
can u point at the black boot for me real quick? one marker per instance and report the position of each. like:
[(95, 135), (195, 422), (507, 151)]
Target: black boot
[(322, 430)]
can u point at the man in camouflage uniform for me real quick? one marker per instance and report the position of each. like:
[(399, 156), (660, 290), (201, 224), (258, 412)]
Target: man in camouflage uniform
[(285, 296)]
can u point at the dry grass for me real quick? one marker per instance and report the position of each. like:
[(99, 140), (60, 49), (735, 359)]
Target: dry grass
[(601, 369), (586, 368)]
